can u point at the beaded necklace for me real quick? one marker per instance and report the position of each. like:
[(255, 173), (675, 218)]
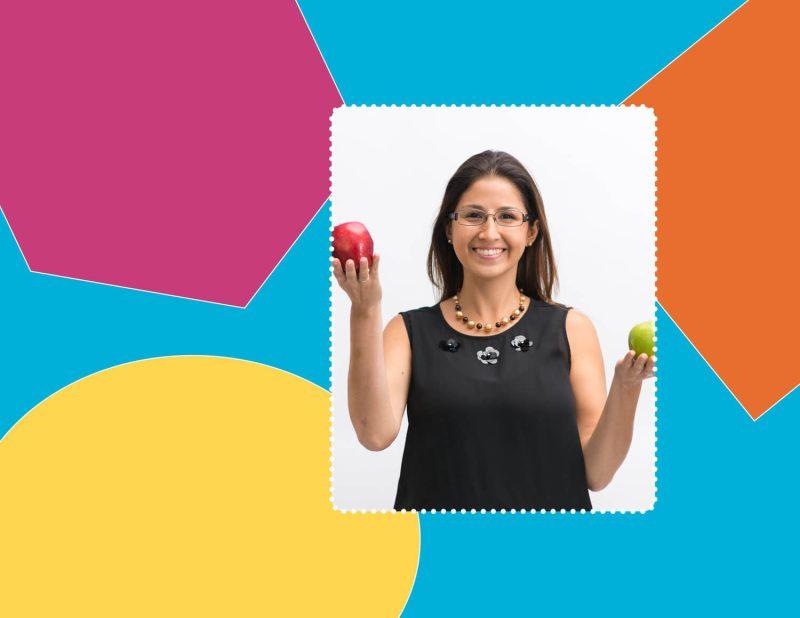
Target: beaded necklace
[(460, 315)]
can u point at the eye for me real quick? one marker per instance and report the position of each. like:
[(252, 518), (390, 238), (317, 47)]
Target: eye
[(473, 215)]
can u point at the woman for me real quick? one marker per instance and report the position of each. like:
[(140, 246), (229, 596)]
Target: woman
[(505, 388)]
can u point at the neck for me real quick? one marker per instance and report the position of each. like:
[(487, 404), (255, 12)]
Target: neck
[(486, 300)]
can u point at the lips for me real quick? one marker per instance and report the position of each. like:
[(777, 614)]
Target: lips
[(487, 253)]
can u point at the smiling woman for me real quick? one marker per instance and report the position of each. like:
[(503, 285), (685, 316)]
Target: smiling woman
[(505, 388)]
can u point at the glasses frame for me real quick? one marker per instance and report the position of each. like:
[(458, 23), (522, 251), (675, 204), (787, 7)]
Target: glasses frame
[(453, 216)]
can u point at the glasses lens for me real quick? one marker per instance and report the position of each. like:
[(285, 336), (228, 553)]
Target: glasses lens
[(472, 216), (509, 217)]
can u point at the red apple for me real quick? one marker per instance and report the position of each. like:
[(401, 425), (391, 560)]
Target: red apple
[(351, 241)]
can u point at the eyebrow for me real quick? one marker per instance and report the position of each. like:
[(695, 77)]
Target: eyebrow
[(479, 207)]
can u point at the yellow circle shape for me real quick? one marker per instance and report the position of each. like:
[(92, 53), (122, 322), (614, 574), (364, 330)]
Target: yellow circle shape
[(189, 486)]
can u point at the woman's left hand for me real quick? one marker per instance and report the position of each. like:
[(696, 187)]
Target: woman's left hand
[(631, 370)]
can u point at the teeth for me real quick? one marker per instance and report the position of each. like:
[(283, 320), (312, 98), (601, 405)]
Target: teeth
[(488, 252)]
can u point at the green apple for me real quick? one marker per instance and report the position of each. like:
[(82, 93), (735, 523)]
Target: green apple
[(642, 338)]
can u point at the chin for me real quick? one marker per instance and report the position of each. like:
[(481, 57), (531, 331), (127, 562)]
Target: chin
[(489, 271)]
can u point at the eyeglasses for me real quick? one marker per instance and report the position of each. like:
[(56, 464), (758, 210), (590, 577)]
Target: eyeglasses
[(506, 217)]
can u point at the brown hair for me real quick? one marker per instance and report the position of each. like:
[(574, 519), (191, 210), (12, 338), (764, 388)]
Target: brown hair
[(536, 272)]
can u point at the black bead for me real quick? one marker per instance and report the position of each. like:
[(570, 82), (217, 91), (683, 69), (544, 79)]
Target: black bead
[(450, 345), (498, 324), (465, 319), (458, 307), (512, 317), (479, 326), (521, 308)]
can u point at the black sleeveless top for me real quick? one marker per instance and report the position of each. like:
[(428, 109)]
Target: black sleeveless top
[(491, 419)]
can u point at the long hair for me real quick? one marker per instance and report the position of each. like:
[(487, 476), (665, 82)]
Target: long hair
[(536, 271)]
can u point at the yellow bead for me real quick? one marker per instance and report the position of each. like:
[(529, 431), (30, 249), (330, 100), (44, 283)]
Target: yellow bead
[(505, 320), (459, 314), (471, 324), (487, 327), (516, 312)]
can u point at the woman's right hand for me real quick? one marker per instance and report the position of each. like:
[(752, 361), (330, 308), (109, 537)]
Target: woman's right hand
[(364, 288)]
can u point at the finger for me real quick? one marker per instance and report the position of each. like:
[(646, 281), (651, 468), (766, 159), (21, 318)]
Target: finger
[(638, 367), (338, 272), (650, 366), (629, 359), (363, 270), (376, 262), (350, 270)]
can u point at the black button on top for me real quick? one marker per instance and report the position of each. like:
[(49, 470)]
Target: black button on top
[(449, 345)]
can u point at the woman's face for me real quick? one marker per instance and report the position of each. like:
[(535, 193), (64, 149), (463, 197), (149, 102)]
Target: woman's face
[(491, 194)]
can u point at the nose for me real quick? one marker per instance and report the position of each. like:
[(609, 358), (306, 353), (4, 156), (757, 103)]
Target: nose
[(489, 227)]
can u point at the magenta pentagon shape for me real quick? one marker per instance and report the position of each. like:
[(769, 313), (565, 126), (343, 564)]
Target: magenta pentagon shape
[(172, 146)]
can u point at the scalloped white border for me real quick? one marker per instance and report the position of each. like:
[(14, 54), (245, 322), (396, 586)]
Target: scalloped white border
[(332, 282)]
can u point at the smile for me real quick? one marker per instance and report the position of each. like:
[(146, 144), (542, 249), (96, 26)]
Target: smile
[(489, 254)]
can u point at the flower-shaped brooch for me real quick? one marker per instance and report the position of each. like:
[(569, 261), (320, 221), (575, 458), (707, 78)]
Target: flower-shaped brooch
[(449, 345), (488, 356), (521, 343)]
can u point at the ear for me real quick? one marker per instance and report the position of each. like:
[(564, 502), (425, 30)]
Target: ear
[(533, 232)]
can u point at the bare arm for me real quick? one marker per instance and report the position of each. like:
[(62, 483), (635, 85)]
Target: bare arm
[(605, 423), (380, 366)]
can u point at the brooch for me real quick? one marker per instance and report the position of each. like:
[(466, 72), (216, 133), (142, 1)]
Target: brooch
[(488, 356), (521, 343), (449, 345)]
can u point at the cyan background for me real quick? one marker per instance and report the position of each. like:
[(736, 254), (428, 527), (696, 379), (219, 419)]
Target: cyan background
[(722, 537)]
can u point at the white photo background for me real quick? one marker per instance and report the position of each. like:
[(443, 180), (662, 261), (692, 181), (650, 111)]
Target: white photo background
[(595, 168)]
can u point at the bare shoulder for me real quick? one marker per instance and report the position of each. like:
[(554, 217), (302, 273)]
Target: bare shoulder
[(580, 328), (578, 320), (395, 333), (395, 325)]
